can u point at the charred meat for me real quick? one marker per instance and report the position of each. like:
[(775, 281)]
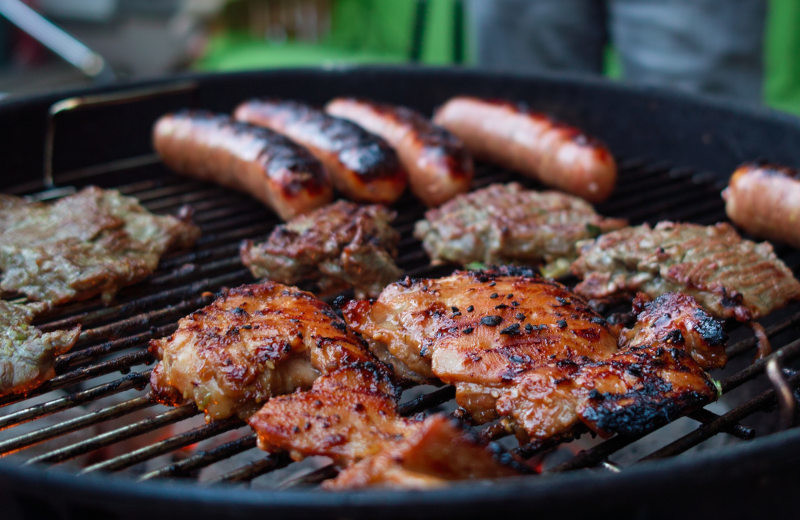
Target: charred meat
[(93, 242), (253, 342), (337, 246), (505, 223), (731, 277), (504, 335), (26, 353)]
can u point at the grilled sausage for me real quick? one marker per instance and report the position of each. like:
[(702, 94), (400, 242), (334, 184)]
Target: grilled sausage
[(764, 200), (438, 165), (535, 145), (362, 165), (262, 163)]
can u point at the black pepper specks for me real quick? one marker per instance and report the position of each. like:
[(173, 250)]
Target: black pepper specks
[(501, 306), (491, 321), (528, 328), (520, 316), (562, 324), (493, 295), (470, 308), (511, 330), (515, 303), (597, 320), (492, 283), (467, 330), (454, 308)]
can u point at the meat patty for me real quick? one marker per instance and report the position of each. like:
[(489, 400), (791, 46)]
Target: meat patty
[(337, 246), (505, 223), (27, 354), (93, 242), (503, 336), (253, 342), (731, 277)]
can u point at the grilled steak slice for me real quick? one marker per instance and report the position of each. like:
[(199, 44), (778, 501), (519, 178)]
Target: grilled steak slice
[(253, 342), (436, 452), (523, 347), (338, 246), (505, 223), (731, 277), (26, 353), (93, 242)]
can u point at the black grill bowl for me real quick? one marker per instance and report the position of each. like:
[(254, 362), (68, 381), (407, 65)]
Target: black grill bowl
[(704, 137)]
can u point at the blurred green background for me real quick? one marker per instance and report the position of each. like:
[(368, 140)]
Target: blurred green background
[(370, 31)]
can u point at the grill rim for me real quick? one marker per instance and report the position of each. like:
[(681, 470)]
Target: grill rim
[(763, 456)]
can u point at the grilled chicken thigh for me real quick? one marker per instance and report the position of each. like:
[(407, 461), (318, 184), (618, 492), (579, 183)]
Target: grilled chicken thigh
[(253, 342), (513, 343)]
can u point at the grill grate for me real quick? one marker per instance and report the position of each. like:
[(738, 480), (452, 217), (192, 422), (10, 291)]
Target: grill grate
[(152, 441)]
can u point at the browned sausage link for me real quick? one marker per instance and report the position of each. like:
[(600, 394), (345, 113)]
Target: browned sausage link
[(764, 200), (362, 165), (262, 163), (533, 144), (438, 165)]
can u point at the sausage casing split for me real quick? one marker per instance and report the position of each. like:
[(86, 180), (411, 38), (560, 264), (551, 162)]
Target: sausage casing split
[(438, 165), (362, 165), (555, 154), (267, 165), (764, 200)]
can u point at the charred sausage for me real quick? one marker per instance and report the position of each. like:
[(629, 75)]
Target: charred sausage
[(438, 165), (268, 166), (362, 165), (764, 200), (555, 154)]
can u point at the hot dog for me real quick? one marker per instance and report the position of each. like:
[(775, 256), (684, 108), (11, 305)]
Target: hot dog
[(764, 200), (438, 165), (555, 154), (268, 166), (362, 165)]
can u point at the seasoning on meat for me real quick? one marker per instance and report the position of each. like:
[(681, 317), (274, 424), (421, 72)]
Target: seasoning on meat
[(253, 342), (27, 354), (500, 371), (731, 277), (505, 223), (93, 242), (338, 246)]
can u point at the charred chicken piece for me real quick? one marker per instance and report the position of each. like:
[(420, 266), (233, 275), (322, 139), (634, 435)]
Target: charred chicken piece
[(350, 415), (338, 246), (253, 342), (505, 223), (435, 452), (504, 337), (731, 277), (656, 376), (93, 242), (27, 355)]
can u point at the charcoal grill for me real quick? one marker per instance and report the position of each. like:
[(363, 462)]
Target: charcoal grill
[(675, 153)]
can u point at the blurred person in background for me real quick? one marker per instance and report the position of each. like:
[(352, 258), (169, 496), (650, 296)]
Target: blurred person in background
[(705, 46)]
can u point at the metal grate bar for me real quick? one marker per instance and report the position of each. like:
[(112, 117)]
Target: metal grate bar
[(205, 458), (89, 419), (105, 439), (159, 448), (252, 470)]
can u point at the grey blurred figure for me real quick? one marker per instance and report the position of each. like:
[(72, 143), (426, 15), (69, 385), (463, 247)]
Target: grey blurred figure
[(706, 46)]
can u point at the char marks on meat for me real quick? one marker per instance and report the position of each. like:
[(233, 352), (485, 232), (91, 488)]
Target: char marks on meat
[(731, 277), (26, 353), (93, 242), (541, 369), (337, 246), (505, 223), (253, 342)]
